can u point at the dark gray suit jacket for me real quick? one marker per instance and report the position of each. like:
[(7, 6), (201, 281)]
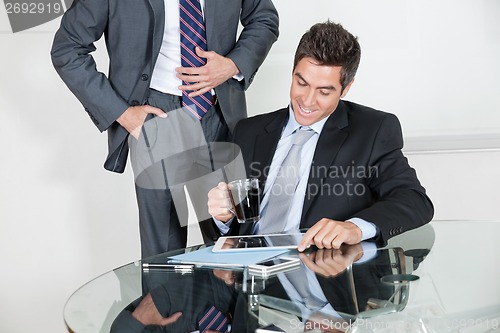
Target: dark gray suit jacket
[(133, 31), (192, 294), (358, 169)]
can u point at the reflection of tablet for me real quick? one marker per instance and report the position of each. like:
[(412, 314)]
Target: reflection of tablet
[(258, 242), (269, 328), (273, 266)]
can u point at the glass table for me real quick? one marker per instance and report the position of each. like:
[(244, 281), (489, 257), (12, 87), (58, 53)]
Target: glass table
[(442, 277)]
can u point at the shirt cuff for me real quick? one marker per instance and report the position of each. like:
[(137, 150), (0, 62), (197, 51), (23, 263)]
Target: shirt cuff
[(238, 77), (368, 229), (369, 252), (223, 227)]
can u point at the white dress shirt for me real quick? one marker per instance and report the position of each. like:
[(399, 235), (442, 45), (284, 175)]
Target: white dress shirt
[(164, 77)]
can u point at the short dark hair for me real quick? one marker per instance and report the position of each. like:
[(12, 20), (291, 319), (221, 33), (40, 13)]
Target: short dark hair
[(331, 45)]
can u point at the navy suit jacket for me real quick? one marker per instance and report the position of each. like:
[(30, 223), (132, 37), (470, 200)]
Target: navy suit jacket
[(358, 169)]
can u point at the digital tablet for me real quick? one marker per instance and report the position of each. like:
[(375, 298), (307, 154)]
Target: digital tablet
[(258, 242)]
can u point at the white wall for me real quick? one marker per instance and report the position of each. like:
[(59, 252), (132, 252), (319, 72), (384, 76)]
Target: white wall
[(433, 63), (463, 185), (64, 220)]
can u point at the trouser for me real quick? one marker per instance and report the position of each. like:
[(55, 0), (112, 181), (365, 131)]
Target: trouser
[(163, 224)]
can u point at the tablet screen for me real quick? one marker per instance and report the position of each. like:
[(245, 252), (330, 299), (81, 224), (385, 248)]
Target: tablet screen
[(258, 242)]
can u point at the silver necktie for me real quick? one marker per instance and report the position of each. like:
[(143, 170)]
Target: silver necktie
[(283, 189)]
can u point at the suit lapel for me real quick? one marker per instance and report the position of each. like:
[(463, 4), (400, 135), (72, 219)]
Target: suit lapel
[(210, 14), (265, 144), (158, 7), (264, 147), (329, 143)]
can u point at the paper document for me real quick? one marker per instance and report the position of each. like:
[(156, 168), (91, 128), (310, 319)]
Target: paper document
[(206, 257)]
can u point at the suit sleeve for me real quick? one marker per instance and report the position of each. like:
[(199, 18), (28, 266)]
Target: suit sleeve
[(260, 30), (401, 202), (81, 26)]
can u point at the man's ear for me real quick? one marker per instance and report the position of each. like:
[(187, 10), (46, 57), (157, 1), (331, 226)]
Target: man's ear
[(346, 89)]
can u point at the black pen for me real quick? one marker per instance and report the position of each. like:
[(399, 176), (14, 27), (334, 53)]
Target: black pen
[(175, 267)]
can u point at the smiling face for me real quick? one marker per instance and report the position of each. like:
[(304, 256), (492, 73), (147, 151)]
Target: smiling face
[(316, 91)]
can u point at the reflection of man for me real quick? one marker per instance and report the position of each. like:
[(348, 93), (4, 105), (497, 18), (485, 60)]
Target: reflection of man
[(175, 302), (367, 266), (330, 263), (143, 41), (339, 282), (350, 181)]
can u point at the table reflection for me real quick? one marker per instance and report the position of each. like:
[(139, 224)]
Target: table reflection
[(331, 290)]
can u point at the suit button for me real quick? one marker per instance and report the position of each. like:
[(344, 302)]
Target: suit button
[(144, 77), (134, 103)]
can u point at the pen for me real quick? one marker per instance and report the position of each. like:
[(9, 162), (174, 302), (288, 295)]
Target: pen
[(175, 267)]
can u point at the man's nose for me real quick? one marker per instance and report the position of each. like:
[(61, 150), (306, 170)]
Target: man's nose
[(309, 98)]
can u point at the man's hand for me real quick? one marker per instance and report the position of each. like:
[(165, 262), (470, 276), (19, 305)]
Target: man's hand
[(225, 275), (219, 203), (217, 70), (332, 262), (331, 234), (133, 118), (148, 314)]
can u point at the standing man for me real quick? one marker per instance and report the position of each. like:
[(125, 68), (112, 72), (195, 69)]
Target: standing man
[(147, 78), (349, 180)]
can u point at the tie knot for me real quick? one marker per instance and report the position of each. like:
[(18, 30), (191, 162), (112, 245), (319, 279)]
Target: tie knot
[(302, 135)]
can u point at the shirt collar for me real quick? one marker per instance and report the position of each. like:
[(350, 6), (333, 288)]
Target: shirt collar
[(292, 125)]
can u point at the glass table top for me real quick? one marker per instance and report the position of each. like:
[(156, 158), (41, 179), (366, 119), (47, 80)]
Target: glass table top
[(442, 277)]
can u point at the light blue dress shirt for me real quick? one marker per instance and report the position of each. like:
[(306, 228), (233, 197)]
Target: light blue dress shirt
[(368, 229)]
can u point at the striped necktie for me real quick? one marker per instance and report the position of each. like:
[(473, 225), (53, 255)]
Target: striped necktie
[(192, 31), (215, 320)]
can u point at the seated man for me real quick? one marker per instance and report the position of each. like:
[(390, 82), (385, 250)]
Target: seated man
[(329, 165)]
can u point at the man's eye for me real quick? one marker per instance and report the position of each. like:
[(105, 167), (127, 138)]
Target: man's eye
[(302, 84), (324, 93)]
